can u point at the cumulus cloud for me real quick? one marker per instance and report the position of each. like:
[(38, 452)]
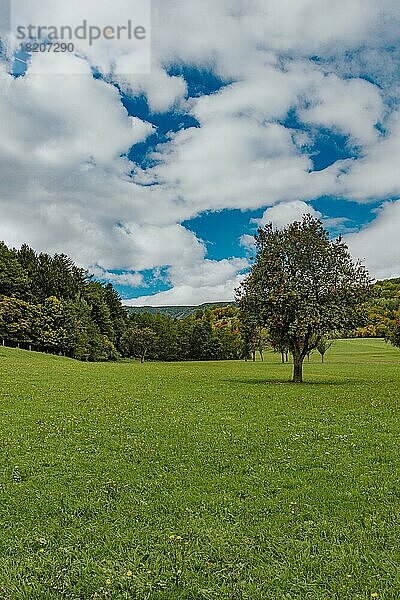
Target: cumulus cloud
[(285, 213), (247, 241), (352, 107), (233, 34), (162, 91), (236, 162), (376, 174), (66, 182), (377, 245), (44, 19), (124, 279), (209, 281)]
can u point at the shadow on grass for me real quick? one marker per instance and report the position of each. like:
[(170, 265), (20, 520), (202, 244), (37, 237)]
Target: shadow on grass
[(259, 381)]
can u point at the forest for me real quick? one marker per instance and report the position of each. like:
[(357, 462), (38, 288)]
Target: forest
[(49, 304)]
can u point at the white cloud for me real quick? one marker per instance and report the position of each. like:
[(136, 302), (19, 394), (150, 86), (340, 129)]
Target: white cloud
[(350, 106), (126, 279), (206, 281), (237, 162), (92, 18), (247, 241), (75, 120), (232, 34), (162, 92), (285, 213), (66, 185), (376, 174), (377, 245)]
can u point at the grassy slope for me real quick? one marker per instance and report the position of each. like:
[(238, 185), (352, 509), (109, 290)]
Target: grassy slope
[(277, 491)]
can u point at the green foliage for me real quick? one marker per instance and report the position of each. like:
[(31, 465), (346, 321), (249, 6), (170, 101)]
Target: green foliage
[(14, 281), (323, 346), (383, 310), (303, 286), (61, 310), (138, 342), (51, 275), (18, 320), (212, 334), (393, 334), (49, 304)]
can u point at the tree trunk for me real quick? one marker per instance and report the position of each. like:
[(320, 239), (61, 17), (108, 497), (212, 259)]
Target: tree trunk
[(297, 368), (254, 355), (261, 355), (287, 356), (322, 358), (283, 358)]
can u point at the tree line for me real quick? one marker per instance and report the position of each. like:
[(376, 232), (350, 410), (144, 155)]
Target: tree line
[(302, 290), (383, 312), (49, 304)]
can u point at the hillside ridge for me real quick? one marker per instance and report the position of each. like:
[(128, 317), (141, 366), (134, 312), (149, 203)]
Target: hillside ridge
[(177, 312)]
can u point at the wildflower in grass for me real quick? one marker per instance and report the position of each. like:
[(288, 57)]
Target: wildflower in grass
[(129, 573), (374, 595), (108, 581), (41, 550)]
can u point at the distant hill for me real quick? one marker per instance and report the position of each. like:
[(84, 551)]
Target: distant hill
[(177, 312)]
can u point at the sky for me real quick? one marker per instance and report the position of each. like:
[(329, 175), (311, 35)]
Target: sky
[(156, 176)]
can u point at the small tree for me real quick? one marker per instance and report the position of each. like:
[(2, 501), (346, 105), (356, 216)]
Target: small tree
[(323, 346), (393, 335), (138, 342), (303, 286)]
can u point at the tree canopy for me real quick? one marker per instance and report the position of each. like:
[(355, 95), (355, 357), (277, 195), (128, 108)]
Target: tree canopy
[(303, 286), (48, 303)]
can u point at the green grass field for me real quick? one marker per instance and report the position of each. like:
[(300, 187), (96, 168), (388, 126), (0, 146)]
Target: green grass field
[(201, 480)]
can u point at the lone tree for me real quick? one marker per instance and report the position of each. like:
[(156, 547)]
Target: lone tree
[(323, 346), (303, 286)]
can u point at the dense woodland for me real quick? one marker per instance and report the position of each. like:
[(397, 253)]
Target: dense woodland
[(49, 304), (383, 312)]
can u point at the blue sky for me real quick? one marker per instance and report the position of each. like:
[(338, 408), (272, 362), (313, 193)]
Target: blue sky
[(157, 178), (221, 231)]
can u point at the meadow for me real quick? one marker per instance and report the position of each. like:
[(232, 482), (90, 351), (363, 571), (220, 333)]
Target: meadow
[(201, 481)]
